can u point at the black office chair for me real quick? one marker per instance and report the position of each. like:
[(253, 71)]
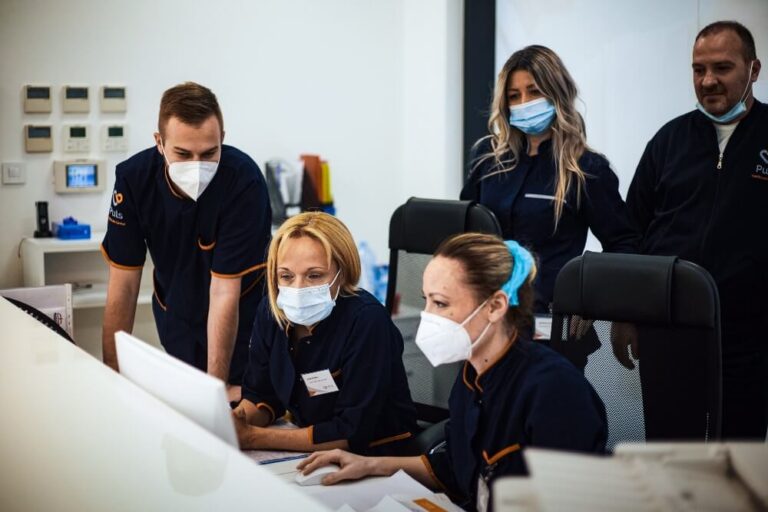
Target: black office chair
[(674, 306), (416, 229)]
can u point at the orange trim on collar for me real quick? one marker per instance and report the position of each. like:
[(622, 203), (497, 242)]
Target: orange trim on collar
[(498, 455), (168, 181), (398, 437), (205, 247), (117, 265), (239, 274), (464, 376), (501, 356)]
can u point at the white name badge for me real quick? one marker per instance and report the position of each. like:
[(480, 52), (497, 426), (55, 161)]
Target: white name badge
[(542, 327), (319, 383)]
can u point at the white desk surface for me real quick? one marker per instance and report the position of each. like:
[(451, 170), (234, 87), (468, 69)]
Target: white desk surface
[(74, 435)]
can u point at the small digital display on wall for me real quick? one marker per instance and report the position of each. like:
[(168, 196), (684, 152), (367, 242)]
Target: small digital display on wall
[(81, 175)]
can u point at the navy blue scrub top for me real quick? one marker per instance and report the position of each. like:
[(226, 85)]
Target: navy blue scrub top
[(685, 206), (523, 201), (362, 349), (531, 396), (224, 233)]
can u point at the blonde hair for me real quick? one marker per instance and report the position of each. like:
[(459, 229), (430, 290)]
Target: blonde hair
[(337, 242), (487, 266), (569, 141)]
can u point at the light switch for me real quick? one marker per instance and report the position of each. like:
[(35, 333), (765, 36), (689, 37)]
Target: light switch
[(14, 173)]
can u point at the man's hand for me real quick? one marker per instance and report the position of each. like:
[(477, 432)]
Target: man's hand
[(624, 340), (353, 467)]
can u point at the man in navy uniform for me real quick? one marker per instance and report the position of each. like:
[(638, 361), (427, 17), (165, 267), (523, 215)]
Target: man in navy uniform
[(700, 192), (202, 211)]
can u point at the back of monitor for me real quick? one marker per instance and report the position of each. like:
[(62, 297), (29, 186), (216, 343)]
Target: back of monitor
[(195, 394)]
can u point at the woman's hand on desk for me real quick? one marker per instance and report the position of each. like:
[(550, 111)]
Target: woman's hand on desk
[(353, 467)]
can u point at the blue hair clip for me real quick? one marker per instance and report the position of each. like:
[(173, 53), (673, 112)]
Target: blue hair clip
[(521, 267)]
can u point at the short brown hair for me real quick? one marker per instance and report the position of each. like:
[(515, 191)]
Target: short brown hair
[(335, 238), (487, 266), (747, 41), (191, 103)]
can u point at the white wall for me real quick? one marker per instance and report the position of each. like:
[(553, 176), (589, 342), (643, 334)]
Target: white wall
[(631, 60), (432, 92), (373, 86)]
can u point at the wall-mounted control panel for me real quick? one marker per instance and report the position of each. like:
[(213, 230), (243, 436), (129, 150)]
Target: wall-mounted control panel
[(75, 99), (37, 99), (38, 138)]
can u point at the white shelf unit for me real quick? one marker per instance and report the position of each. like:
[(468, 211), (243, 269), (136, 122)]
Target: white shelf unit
[(80, 262)]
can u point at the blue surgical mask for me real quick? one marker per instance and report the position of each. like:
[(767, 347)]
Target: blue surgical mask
[(307, 306), (738, 109), (534, 117)]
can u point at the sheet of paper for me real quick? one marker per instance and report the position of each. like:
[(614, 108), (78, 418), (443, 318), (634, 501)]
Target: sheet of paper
[(365, 494), (269, 457)]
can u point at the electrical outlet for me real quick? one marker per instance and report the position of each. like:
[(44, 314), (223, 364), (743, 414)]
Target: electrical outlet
[(14, 173)]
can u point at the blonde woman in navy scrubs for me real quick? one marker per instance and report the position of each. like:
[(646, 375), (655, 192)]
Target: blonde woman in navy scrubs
[(546, 186), (323, 350), (512, 393)]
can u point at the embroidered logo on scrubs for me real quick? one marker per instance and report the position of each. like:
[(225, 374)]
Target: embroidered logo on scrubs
[(761, 170), (116, 217), (319, 383)]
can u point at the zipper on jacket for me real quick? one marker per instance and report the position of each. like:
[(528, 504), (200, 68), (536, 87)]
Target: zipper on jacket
[(720, 161)]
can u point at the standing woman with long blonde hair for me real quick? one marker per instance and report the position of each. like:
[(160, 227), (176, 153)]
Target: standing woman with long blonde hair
[(535, 171)]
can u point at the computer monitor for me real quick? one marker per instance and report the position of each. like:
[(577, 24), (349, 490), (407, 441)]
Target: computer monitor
[(195, 394)]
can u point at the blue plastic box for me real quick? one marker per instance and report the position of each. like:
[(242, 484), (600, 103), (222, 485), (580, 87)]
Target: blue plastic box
[(69, 229)]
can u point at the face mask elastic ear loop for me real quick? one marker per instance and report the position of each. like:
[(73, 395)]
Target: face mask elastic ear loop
[(472, 315), (749, 82), (331, 284), (477, 340)]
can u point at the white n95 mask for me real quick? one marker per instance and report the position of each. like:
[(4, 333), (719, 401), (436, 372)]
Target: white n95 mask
[(307, 306), (444, 341), (192, 177)]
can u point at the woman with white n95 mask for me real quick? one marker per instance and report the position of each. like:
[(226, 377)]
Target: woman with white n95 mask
[(511, 394), (324, 351)]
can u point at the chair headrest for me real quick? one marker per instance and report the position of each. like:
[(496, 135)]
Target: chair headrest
[(655, 290), (420, 225)]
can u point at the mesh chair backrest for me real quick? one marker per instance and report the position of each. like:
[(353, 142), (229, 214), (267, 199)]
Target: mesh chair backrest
[(416, 229), (673, 306)]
